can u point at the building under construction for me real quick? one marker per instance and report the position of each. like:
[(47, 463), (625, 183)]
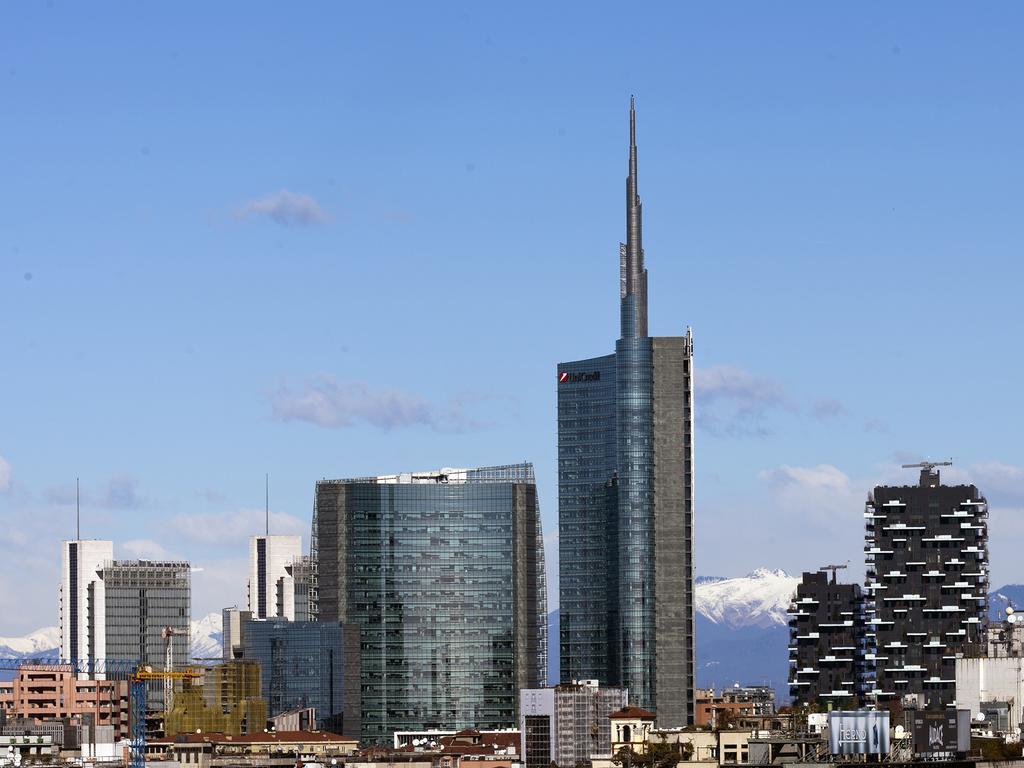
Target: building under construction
[(225, 700)]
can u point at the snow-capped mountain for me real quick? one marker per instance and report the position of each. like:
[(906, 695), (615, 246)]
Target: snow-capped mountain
[(42, 642), (45, 642), (206, 637), (759, 599), (742, 629)]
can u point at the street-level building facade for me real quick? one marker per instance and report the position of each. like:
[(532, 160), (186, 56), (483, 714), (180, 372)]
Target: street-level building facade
[(48, 692), (568, 723)]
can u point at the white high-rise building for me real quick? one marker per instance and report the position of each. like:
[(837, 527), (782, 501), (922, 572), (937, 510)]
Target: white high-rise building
[(82, 609), (272, 576)]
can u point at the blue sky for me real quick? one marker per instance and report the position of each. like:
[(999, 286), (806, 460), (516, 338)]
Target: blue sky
[(335, 240)]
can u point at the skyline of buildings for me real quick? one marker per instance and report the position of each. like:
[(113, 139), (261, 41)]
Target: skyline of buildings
[(429, 595), (111, 612), (625, 501)]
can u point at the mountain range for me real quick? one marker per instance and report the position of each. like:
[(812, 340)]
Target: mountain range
[(741, 627)]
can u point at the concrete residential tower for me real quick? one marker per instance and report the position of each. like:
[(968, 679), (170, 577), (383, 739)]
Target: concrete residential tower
[(271, 585), (625, 501), (926, 555), (83, 631)]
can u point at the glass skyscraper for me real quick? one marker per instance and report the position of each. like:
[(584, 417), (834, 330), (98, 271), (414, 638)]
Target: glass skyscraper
[(142, 599), (307, 664), (625, 501), (444, 574)]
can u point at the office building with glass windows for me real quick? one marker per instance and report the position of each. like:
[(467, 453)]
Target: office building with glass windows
[(625, 502), (444, 573), (306, 664), (146, 600)]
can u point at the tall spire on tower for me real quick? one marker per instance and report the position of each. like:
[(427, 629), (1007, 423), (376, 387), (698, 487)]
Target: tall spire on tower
[(632, 274)]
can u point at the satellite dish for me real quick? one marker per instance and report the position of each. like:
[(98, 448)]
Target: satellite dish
[(1012, 619), (900, 732), (980, 717), (1009, 610)]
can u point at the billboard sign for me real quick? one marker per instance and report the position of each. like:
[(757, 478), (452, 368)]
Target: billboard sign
[(861, 732), (942, 731)]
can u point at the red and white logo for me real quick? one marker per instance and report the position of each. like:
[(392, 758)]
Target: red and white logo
[(563, 377)]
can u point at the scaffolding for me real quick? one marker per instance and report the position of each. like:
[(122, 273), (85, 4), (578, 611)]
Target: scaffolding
[(225, 699)]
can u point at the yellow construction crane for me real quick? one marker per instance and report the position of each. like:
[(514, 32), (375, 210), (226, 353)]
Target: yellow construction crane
[(138, 680)]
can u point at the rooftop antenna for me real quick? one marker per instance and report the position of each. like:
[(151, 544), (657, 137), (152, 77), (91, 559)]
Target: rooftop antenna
[(78, 512), (267, 478)]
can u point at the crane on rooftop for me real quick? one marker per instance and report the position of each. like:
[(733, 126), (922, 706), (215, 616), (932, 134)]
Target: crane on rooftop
[(929, 477), (834, 568)]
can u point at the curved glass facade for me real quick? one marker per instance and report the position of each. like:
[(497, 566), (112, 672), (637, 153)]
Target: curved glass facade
[(635, 629), (444, 575), (625, 502)]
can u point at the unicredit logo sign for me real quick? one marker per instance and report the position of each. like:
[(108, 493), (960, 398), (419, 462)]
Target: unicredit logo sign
[(565, 377)]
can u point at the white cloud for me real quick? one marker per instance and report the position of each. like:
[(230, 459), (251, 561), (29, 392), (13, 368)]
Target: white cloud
[(821, 495), (5, 475), (822, 476), (327, 402), (285, 208), (234, 527), (734, 402), (1000, 483)]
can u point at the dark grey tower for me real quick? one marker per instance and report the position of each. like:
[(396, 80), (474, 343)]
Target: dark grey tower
[(926, 559), (625, 452)]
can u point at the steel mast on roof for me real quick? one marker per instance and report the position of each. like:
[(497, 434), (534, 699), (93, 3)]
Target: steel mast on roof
[(632, 273)]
